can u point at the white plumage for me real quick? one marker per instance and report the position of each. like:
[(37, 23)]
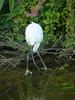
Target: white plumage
[(34, 35)]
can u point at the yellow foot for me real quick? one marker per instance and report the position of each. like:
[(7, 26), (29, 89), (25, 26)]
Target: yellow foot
[(28, 72)]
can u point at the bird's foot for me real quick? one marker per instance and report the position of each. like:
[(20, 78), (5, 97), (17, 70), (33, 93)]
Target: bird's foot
[(28, 72), (44, 68)]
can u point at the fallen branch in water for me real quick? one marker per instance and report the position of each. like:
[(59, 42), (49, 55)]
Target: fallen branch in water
[(71, 58), (6, 60)]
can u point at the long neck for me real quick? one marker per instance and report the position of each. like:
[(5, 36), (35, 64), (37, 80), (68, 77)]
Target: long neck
[(35, 47)]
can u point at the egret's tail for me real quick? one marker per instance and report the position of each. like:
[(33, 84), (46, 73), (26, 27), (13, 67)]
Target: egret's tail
[(35, 47)]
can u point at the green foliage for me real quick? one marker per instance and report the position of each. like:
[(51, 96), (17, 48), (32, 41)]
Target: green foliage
[(11, 5), (55, 16), (1, 3)]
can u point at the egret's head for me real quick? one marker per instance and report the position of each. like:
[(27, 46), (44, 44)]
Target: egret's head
[(32, 23)]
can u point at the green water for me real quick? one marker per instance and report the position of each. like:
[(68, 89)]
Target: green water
[(56, 85)]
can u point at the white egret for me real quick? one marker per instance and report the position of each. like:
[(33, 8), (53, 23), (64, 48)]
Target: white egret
[(34, 36)]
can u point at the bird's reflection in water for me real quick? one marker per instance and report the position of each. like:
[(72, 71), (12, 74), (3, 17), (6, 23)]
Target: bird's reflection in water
[(38, 86)]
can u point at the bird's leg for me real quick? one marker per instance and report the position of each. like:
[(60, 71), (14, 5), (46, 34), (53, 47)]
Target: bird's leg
[(42, 60), (34, 60), (27, 70)]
